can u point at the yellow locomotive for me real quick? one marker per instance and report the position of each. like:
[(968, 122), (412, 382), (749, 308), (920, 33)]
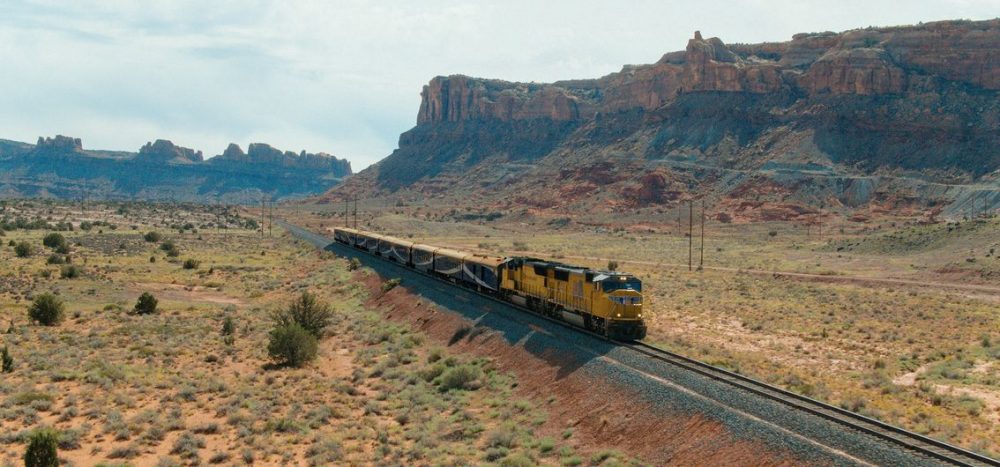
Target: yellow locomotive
[(609, 303)]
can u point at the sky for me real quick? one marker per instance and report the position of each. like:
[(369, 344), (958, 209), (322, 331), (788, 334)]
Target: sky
[(344, 77)]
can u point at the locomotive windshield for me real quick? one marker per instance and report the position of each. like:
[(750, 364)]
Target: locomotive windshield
[(621, 283)]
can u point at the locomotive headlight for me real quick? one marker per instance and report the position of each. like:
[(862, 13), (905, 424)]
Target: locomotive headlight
[(640, 315), (618, 315)]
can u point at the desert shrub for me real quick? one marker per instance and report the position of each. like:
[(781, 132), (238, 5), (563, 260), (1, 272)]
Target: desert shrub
[(152, 237), (171, 249), (23, 249), (390, 284), (6, 361), (47, 310), (612, 265), (504, 436), (70, 271), (54, 240), (354, 264), (325, 451), (145, 305), (308, 312), (228, 326), (42, 448), (56, 259), (187, 445), (291, 344), (191, 263), (460, 377)]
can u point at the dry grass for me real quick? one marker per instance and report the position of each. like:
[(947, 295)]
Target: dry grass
[(171, 388)]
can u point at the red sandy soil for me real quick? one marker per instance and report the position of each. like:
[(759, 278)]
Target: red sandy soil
[(615, 420)]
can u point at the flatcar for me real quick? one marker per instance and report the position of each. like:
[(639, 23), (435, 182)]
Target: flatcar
[(606, 302)]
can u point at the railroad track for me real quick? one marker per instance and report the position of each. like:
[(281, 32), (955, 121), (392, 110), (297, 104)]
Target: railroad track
[(914, 442)]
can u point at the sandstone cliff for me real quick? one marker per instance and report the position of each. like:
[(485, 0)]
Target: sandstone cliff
[(914, 103)]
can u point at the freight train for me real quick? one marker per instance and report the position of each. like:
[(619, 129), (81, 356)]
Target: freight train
[(606, 302)]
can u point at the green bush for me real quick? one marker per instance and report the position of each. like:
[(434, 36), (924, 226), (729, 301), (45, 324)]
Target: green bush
[(42, 448), (70, 271), (54, 240), (390, 284), (308, 312), (191, 263), (6, 361), (460, 377), (228, 326), (23, 249), (146, 305), (354, 264), (47, 310), (56, 259), (171, 249), (152, 237), (291, 345)]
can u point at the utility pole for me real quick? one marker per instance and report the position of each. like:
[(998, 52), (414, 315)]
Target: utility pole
[(347, 210), (270, 217), (701, 260), (355, 212), (262, 223), (690, 233)]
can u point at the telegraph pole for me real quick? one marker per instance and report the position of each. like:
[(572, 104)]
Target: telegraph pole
[(701, 261), (690, 233), (355, 212)]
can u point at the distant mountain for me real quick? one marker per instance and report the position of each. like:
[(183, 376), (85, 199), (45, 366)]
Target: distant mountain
[(902, 119), (60, 167)]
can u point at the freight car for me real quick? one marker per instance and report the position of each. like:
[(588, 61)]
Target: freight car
[(606, 302)]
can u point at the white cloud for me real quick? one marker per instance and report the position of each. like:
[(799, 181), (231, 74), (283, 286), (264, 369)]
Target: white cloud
[(344, 77)]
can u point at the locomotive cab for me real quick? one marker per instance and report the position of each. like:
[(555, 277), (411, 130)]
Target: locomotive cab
[(622, 297)]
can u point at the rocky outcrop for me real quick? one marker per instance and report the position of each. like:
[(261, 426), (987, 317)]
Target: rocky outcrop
[(864, 71), (458, 98), (162, 151), (60, 143), (163, 170), (264, 154)]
